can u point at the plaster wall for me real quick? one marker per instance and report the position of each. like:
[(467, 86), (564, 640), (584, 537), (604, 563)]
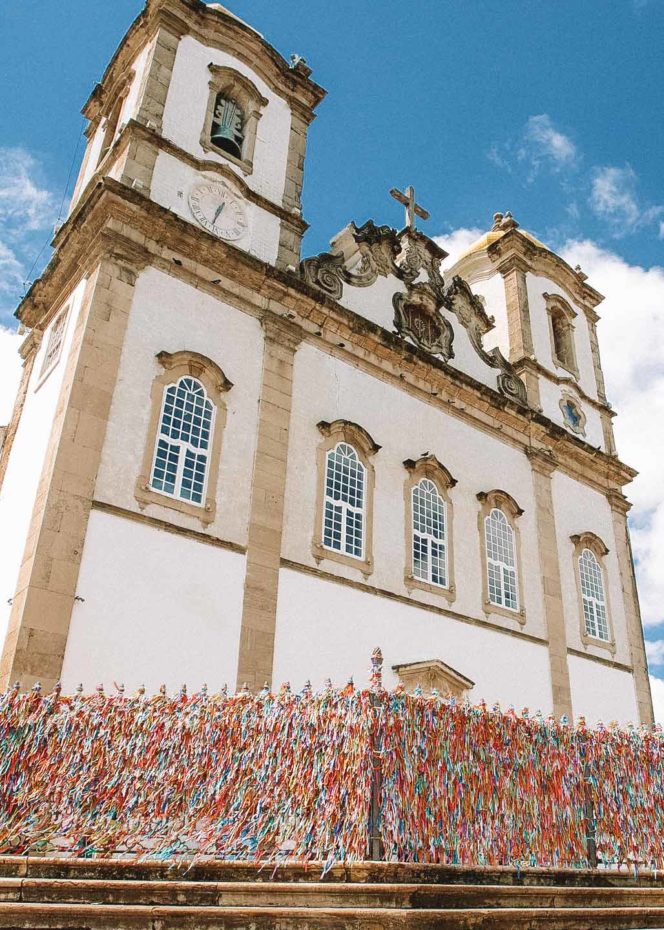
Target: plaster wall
[(327, 388), (170, 315), (601, 693), (550, 396), (579, 509), (493, 291), (346, 624), (172, 183), (24, 468), (186, 104), (158, 608)]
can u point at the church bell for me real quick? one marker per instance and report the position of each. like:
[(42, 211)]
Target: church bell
[(226, 131)]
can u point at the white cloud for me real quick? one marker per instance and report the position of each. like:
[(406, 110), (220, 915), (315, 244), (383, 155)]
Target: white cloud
[(10, 372), (541, 141), (655, 651), (539, 146), (27, 214), (657, 688), (458, 242), (24, 204), (614, 198), (631, 334)]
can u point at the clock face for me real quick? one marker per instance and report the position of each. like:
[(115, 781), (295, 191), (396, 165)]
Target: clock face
[(218, 210)]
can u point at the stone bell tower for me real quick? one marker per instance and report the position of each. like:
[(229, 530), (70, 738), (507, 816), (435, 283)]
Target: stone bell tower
[(194, 163)]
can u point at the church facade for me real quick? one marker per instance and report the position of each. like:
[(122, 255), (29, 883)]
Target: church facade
[(229, 464)]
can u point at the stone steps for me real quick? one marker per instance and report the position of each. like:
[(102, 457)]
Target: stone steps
[(337, 895), (110, 917), (44, 893)]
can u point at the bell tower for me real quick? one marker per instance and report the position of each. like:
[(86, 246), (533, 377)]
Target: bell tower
[(199, 113)]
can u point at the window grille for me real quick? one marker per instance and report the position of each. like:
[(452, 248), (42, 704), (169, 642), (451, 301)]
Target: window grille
[(501, 561), (343, 516), (429, 534), (592, 594), (183, 442), (55, 342)]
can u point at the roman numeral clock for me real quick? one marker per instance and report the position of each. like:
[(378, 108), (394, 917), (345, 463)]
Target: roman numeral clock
[(219, 210)]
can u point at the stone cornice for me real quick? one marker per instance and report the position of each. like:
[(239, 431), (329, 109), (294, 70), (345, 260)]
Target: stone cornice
[(533, 365), (217, 29), (516, 250), (115, 219), (133, 131)]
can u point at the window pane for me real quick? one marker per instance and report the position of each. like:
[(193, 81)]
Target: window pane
[(501, 561), (185, 433), (343, 519), (592, 592), (429, 552)]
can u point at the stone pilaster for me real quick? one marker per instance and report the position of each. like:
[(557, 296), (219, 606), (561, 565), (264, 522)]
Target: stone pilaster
[(261, 584), (543, 465), (290, 236), (514, 270), (28, 351), (46, 588), (619, 508), (157, 78)]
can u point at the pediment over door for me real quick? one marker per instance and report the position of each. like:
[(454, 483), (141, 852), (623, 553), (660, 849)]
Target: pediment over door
[(433, 674)]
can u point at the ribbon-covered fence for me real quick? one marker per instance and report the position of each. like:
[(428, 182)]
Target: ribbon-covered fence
[(338, 774)]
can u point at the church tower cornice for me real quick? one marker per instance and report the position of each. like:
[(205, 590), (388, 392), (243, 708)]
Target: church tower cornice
[(217, 28)]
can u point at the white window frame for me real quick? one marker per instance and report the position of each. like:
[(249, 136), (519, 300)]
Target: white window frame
[(53, 353), (429, 538), (346, 507), (502, 567), (590, 602), (183, 446)]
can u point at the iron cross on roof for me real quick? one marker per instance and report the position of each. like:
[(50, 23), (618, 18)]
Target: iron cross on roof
[(407, 198)]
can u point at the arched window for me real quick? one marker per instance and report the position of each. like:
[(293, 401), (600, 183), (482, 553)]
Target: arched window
[(561, 317), (501, 560), (183, 444), (343, 519), (499, 534), (592, 593), (235, 106), (181, 458), (343, 530), (227, 132), (428, 512), (429, 534)]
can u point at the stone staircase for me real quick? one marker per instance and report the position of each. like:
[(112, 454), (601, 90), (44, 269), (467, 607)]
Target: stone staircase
[(92, 894)]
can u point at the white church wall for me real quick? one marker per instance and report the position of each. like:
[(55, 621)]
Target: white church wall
[(346, 624), (550, 396), (25, 464), (579, 509), (132, 101), (601, 693), (186, 104), (375, 302), (158, 608), (170, 315), (405, 427), (171, 185), (493, 291)]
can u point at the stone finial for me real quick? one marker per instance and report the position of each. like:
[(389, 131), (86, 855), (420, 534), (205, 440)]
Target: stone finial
[(17, 686), (224, 691), (162, 690), (100, 689), (183, 691), (36, 688), (79, 689), (376, 679), (328, 684), (580, 273), (204, 690), (307, 691), (141, 691), (120, 688), (245, 688), (504, 221), (265, 690)]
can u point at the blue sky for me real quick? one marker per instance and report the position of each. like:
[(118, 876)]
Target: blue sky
[(551, 109)]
